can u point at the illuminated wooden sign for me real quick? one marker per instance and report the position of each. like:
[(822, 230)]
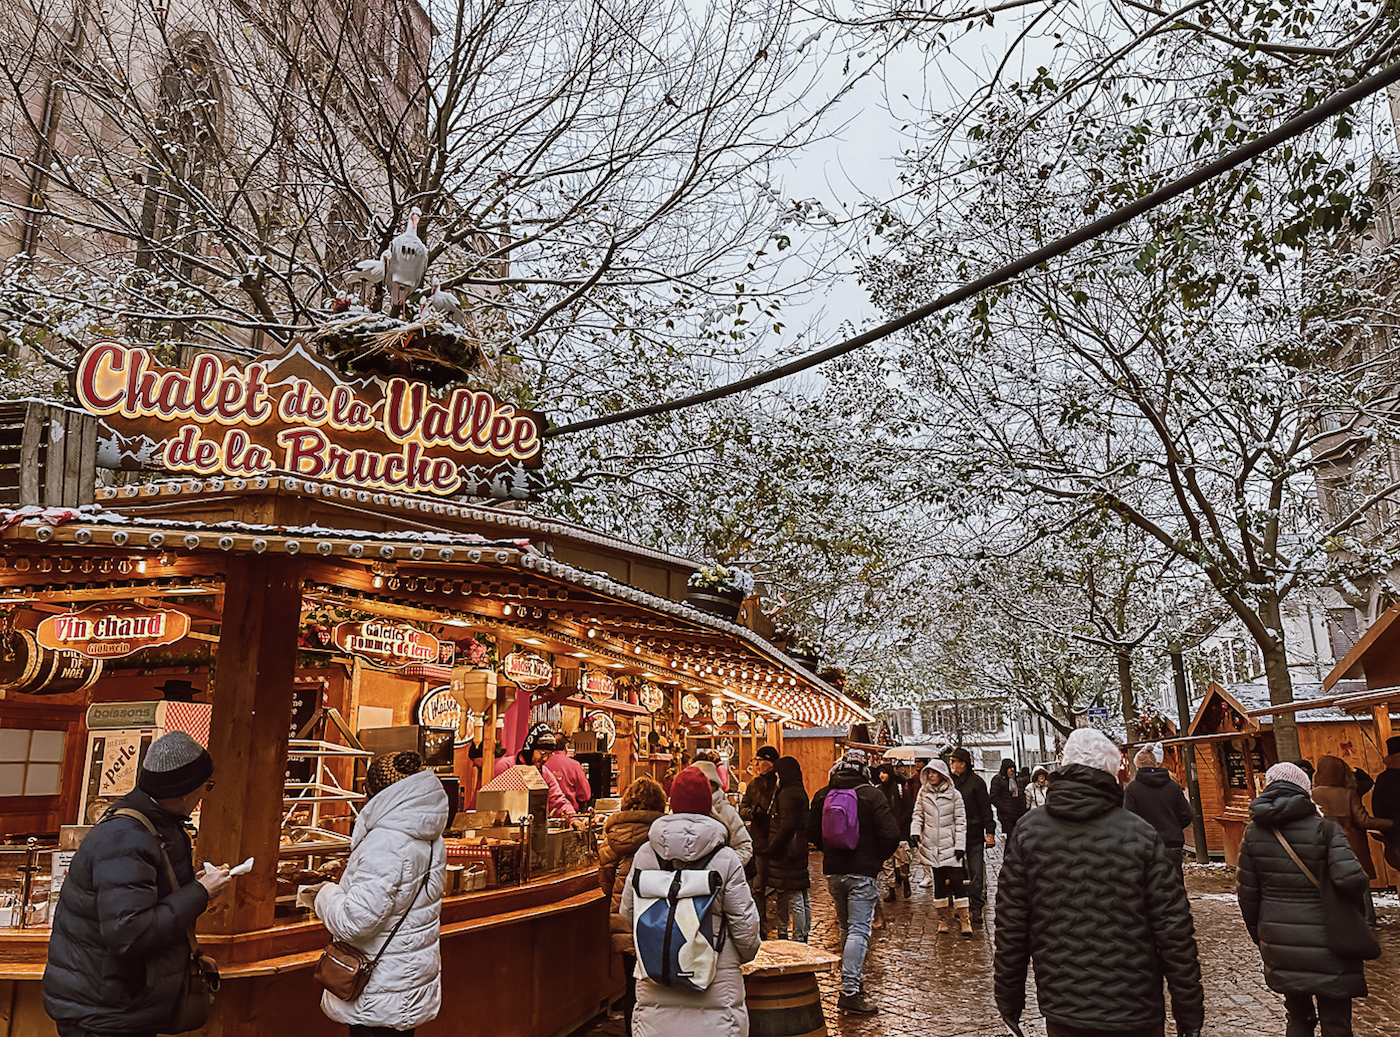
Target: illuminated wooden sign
[(603, 726), (760, 725), (387, 645), (743, 719), (719, 715), (439, 708), (111, 631), (598, 686), (690, 705), (527, 670), (652, 698), (292, 415)]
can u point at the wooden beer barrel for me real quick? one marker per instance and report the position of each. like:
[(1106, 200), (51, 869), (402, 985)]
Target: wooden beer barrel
[(28, 669), (784, 1006), (780, 986)]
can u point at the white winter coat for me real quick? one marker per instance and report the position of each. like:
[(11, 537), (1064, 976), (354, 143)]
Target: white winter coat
[(940, 819), (719, 1010), (397, 840), (1035, 794), (740, 841)]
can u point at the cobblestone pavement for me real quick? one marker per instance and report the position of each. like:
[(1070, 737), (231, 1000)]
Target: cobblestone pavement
[(939, 985)]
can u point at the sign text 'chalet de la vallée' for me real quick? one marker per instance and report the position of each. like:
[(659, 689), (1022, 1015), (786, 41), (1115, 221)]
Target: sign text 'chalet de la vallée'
[(291, 415)]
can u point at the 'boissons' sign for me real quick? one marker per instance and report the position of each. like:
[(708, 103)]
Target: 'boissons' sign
[(292, 415)]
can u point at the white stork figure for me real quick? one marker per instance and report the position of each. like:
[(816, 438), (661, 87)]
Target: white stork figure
[(366, 274), (444, 303), (406, 264)]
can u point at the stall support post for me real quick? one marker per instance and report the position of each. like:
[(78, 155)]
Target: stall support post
[(248, 731), (1183, 719), (1383, 727), (778, 727)]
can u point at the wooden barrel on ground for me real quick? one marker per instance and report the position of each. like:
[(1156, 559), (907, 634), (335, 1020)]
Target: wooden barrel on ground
[(780, 985), (27, 668), (784, 1006)]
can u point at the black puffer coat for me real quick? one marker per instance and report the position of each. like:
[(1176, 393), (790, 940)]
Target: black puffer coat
[(755, 808), (118, 949), (978, 805), (1086, 891), (1158, 800), (1282, 908), (1008, 795), (787, 841)]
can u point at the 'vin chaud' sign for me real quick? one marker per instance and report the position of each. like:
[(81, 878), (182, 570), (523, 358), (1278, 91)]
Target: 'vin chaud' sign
[(291, 415)]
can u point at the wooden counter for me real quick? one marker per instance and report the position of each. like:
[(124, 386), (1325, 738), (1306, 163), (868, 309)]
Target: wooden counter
[(532, 959)]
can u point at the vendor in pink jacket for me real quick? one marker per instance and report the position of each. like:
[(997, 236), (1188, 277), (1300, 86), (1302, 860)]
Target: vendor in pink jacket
[(540, 742), (573, 780)]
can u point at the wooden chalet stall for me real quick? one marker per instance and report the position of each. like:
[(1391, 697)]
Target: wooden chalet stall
[(305, 618), (1232, 737)]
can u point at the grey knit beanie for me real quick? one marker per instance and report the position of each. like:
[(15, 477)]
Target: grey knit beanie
[(175, 765)]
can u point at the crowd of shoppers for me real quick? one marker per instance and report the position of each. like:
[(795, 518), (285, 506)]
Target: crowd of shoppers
[(1090, 891)]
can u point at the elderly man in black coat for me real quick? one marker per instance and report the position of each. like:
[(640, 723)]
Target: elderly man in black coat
[(118, 949), (1087, 892)]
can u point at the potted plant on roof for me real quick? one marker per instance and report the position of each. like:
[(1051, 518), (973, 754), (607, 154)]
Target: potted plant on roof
[(805, 651), (719, 590)]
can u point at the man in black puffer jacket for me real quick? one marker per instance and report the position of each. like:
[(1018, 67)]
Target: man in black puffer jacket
[(1087, 892), (118, 949), (1159, 801)]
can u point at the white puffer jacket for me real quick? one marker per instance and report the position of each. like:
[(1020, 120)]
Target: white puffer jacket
[(397, 841), (719, 1010), (940, 819)]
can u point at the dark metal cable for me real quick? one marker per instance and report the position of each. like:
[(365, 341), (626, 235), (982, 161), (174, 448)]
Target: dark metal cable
[(1292, 128)]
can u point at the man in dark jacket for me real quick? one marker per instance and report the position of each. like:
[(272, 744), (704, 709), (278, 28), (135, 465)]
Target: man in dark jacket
[(1385, 799), (1159, 801), (850, 873), (118, 949), (756, 809), (981, 828), (1008, 796), (1086, 890)]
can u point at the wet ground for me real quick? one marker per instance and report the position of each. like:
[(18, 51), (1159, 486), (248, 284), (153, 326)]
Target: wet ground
[(932, 984)]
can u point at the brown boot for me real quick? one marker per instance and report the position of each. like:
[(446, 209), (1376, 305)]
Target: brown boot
[(943, 909), (960, 911)]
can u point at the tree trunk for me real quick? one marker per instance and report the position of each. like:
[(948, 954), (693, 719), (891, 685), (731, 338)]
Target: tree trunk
[(1280, 683), (1125, 691)]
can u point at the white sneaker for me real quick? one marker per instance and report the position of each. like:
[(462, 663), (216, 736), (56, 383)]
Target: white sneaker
[(926, 882)]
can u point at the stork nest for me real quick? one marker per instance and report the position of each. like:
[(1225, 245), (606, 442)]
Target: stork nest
[(431, 348)]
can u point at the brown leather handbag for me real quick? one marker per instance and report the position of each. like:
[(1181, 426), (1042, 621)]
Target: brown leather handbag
[(344, 970), (195, 1000)]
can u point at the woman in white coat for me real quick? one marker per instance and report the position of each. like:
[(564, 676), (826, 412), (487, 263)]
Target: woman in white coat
[(396, 869), (691, 834), (938, 831)]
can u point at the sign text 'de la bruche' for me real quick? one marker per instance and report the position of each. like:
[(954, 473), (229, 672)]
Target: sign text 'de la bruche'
[(111, 631), (291, 415)]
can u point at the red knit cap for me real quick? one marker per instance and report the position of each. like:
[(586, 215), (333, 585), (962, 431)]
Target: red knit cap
[(691, 792)]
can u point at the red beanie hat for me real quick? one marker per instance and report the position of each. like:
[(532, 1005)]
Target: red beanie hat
[(691, 792)]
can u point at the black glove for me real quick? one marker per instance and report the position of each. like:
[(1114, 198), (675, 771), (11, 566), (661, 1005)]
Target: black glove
[(959, 855), (913, 842)]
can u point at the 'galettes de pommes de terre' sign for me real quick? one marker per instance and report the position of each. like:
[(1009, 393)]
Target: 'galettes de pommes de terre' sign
[(292, 415)]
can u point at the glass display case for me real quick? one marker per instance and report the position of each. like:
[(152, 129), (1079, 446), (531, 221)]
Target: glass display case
[(27, 886)]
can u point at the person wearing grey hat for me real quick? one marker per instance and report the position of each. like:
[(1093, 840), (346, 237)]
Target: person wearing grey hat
[(1287, 850), (118, 947)]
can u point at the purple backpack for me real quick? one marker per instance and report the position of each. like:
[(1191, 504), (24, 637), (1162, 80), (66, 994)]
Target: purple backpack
[(840, 820)]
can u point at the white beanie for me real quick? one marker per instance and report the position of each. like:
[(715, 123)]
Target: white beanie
[(1291, 773), (1092, 748)]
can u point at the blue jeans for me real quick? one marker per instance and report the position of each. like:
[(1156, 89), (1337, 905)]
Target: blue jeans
[(798, 905), (855, 897), (976, 863)]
